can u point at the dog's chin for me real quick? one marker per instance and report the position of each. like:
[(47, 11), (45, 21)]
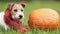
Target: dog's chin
[(17, 19), (20, 19)]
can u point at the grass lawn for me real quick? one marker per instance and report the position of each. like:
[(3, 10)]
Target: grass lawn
[(29, 8)]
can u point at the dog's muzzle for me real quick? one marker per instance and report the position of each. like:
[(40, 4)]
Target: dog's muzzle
[(20, 16)]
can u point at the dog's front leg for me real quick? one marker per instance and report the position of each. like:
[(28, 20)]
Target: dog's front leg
[(24, 29), (6, 27)]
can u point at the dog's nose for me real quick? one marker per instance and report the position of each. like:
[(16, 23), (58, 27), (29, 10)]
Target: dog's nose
[(20, 16)]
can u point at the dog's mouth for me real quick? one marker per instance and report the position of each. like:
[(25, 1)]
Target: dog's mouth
[(16, 19), (19, 18)]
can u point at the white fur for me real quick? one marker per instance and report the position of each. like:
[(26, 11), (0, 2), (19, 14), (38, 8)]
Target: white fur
[(2, 21)]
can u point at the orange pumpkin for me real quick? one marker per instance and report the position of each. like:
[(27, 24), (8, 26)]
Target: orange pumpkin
[(44, 18)]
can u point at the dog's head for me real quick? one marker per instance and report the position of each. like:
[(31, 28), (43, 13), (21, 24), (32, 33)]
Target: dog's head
[(17, 10)]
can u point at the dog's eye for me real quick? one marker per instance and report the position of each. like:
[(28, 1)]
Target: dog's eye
[(21, 10), (15, 10)]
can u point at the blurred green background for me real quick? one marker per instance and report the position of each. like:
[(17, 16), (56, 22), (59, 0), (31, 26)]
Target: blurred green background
[(30, 6)]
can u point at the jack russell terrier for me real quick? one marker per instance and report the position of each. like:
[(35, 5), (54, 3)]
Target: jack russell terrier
[(12, 17)]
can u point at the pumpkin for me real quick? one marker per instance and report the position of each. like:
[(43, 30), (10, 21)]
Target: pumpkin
[(44, 18)]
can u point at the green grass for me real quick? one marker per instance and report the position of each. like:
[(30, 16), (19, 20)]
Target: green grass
[(28, 9)]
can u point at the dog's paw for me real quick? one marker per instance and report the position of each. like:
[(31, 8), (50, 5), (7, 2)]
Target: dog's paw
[(24, 29), (27, 29)]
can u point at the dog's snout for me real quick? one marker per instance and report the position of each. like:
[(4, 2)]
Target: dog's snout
[(20, 16)]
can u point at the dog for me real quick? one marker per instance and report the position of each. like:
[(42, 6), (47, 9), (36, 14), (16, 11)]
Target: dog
[(12, 17)]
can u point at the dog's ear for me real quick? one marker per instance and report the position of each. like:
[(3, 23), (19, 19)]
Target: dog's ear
[(10, 5), (23, 5)]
